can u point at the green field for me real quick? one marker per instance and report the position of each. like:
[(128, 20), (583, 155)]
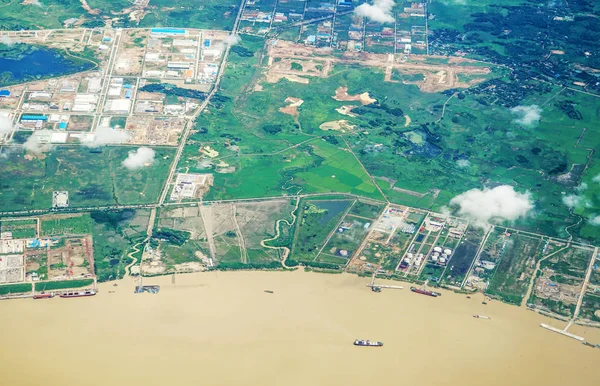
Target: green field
[(91, 177), (516, 266), (7, 289), (316, 220), (212, 14), (56, 285), (75, 225)]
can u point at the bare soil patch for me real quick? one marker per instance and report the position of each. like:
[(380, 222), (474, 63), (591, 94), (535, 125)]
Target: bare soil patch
[(341, 94)]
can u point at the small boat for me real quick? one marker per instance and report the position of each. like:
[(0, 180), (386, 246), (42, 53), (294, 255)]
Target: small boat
[(269, 291), (468, 297), (484, 303), (481, 317), (44, 295), (367, 343), (375, 288)]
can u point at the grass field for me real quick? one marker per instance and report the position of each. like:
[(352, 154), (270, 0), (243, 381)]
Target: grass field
[(517, 263), (211, 14), (90, 177), (57, 285), (316, 220), (7, 289), (63, 225)]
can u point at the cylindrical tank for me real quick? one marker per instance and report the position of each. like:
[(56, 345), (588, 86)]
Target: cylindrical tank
[(409, 255), (437, 249), (447, 251), (434, 258), (442, 260)]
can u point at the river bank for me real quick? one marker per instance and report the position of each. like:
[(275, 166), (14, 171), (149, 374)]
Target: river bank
[(221, 328)]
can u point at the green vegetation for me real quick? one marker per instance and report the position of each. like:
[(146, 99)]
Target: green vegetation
[(92, 177), (367, 209), (56, 285), (114, 234), (73, 225), (8, 289), (171, 236), (213, 14), (316, 220), (172, 90), (514, 271), (15, 15)]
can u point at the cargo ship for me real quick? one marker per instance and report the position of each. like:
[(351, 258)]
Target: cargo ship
[(44, 295), (367, 343), (425, 292), (77, 294), (481, 317)]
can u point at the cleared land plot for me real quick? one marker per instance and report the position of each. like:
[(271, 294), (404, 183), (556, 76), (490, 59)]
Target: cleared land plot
[(590, 308), (346, 239)]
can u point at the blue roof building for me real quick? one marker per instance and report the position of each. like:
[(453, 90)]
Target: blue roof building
[(168, 31), (30, 117), (4, 93), (62, 125)]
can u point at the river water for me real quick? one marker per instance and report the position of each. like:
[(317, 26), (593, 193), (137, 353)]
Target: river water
[(221, 328)]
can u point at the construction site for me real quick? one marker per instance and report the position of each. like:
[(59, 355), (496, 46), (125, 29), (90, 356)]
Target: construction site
[(297, 63)]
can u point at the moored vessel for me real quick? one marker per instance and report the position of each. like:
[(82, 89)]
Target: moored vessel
[(44, 295), (77, 294), (425, 292), (481, 317), (367, 343)]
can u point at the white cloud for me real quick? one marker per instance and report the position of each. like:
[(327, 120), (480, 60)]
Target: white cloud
[(527, 116), (596, 178), (232, 40), (36, 2), (6, 124), (38, 142), (380, 11), (582, 187), (8, 40), (500, 203), (463, 163), (594, 220), (143, 156), (105, 135), (575, 201)]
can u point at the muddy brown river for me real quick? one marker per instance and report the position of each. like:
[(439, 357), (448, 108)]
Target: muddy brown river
[(221, 328)]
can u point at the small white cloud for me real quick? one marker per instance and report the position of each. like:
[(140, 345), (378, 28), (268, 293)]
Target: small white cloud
[(501, 203), (594, 220), (105, 135), (7, 40), (143, 156), (232, 40), (596, 178), (575, 201), (380, 11), (38, 142), (582, 187), (528, 116), (463, 163), (36, 2), (6, 124)]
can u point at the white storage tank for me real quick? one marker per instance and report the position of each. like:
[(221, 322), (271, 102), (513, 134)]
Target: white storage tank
[(442, 260), (437, 249), (434, 257), (447, 251)]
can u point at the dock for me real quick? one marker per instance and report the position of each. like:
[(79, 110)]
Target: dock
[(385, 286), (562, 332)]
